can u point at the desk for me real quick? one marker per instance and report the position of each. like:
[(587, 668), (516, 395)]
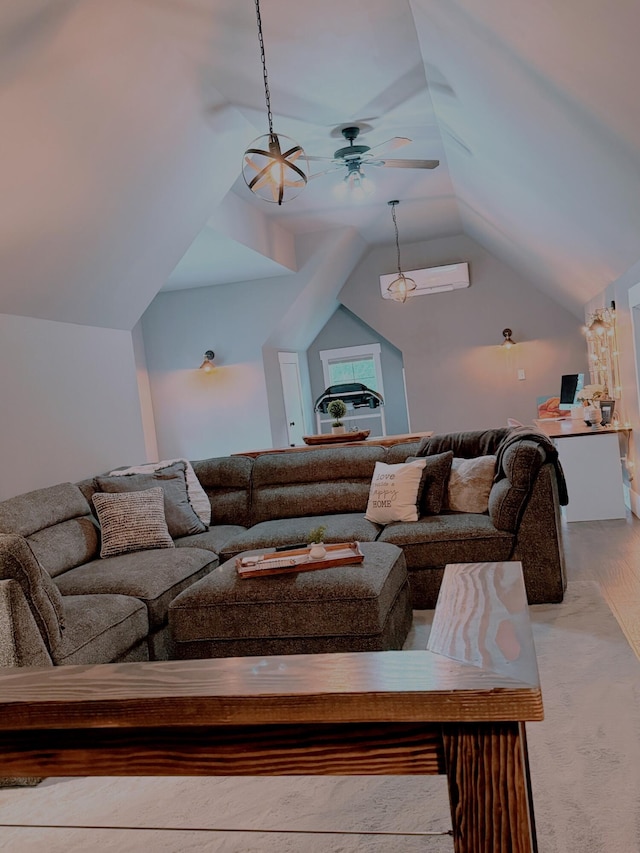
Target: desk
[(590, 460), (382, 441), (457, 708)]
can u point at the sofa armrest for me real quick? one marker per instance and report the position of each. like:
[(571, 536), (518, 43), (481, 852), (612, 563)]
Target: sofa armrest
[(21, 642), (18, 563), (521, 463)]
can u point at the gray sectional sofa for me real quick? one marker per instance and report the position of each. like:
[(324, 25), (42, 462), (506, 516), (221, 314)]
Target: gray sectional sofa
[(61, 603)]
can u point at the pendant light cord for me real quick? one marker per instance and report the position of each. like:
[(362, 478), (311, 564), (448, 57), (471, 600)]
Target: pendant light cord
[(267, 94), (395, 225)]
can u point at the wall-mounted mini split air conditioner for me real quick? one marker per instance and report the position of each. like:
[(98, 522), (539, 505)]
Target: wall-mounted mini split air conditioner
[(430, 280)]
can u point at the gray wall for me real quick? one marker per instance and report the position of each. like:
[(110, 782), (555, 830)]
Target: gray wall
[(458, 376), (239, 406), (344, 329), (70, 405)]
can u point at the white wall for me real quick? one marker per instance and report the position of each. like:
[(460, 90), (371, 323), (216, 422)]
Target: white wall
[(239, 405), (458, 376), (70, 405)]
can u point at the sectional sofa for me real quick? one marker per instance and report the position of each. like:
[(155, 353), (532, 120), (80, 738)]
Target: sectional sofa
[(61, 602)]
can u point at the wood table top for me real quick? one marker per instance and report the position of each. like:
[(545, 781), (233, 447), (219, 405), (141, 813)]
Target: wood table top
[(480, 665), (572, 427)]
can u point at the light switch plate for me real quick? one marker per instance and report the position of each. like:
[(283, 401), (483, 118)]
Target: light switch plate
[(521, 374)]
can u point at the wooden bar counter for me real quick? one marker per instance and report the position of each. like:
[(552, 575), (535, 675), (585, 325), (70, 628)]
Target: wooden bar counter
[(458, 708)]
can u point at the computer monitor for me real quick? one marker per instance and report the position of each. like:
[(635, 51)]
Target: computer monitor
[(571, 384)]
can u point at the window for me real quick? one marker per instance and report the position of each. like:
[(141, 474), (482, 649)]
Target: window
[(353, 364)]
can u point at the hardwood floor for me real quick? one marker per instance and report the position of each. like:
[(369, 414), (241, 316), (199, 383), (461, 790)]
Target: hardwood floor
[(608, 552)]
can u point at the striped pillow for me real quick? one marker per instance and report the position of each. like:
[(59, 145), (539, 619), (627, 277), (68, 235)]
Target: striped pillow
[(132, 521)]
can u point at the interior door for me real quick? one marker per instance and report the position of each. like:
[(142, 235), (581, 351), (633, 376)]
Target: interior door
[(292, 393)]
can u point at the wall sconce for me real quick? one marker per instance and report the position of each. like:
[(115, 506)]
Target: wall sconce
[(207, 363), (508, 341)]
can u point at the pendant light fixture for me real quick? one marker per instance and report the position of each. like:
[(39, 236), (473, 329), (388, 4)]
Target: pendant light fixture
[(400, 287), (274, 167)]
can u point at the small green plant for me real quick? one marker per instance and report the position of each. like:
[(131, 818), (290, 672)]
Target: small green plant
[(337, 409), (317, 534)]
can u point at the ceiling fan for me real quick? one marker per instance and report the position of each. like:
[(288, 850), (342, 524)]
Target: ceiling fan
[(354, 157)]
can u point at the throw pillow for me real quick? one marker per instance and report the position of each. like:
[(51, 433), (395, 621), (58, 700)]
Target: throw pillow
[(393, 495), (433, 486), (180, 515), (470, 482), (197, 496), (132, 521)]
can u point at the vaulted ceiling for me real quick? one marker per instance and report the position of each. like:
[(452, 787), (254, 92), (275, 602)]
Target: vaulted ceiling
[(124, 122)]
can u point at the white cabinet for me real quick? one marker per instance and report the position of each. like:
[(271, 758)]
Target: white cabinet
[(592, 468)]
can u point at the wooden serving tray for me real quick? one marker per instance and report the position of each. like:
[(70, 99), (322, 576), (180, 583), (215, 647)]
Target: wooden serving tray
[(344, 437), (297, 560)]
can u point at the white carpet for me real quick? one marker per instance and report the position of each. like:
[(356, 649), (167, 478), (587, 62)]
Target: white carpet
[(585, 768)]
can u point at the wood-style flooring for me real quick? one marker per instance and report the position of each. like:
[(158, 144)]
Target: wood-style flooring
[(608, 552)]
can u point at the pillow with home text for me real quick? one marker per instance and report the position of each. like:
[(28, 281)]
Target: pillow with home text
[(393, 495)]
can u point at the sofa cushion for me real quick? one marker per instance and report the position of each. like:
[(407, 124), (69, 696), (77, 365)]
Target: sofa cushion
[(213, 540), (180, 516), (58, 524), (315, 482), (18, 563), (345, 527), (401, 452), (154, 576), (394, 491), (433, 486), (132, 521), (470, 483), (227, 483), (466, 445), (101, 628), (436, 540), (196, 494)]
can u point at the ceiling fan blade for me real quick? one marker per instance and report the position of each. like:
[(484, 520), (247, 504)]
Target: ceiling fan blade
[(408, 164), (320, 159), (324, 172), (391, 144)]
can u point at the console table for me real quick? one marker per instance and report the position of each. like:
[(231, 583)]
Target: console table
[(591, 463), (458, 708)]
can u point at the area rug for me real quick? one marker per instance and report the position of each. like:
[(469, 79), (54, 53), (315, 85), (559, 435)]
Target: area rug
[(585, 769)]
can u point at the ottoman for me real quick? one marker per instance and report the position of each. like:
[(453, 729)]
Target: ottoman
[(365, 607)]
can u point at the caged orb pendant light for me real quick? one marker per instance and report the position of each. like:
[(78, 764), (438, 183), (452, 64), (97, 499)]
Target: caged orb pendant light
[(401, 286), (274, 167)]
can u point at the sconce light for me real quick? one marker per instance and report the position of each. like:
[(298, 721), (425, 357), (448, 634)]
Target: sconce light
[(207, 363), (508, 341)]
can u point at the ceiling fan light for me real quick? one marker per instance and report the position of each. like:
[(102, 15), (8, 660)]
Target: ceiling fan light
[(401, 287), (275, 168)]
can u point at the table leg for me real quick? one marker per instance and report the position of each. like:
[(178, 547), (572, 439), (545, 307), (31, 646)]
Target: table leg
[(487, 770)]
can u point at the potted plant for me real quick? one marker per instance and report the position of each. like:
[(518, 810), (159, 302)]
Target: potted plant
[(337, 409), (317, 551), (590, 397)]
